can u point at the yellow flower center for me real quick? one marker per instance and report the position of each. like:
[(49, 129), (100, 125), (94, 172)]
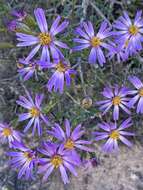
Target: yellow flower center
[(45, 38), (19, 65), (95, 41), (34, 112), (69, 144), (133, 30), (56, 161), (141, 91), (28, 156), (114, 135), (61, 67), (116, 100), (7, 132)]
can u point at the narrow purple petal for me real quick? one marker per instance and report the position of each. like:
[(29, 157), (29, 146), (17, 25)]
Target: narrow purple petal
[(41, 19), (63, 174), (33, 52)]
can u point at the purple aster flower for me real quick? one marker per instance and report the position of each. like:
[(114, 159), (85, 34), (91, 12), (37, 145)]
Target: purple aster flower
[(119, 53), (115, 98), (113, 134), (130, 32), (71, 139), (19, 14), (27, 68), (45, 39), (34, 112), (8, 134), (90, 163), (12, 26), (138, 92), (63, 74), (56, 157), (23, 159), (95, 42)]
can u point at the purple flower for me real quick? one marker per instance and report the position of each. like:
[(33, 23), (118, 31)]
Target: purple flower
[(12, 26), (129, 32), (23, 159), (90, 163), (138, 92), (120, 54), (34, 112), (70, 139), (27, 69), (45, 39), (62, 75), (113, 134), (116, 98), (19, 14), (56, 157), (8, 134), (95, 42)]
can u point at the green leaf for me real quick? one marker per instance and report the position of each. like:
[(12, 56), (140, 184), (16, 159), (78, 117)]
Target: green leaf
[(4, 45), (29, 20)]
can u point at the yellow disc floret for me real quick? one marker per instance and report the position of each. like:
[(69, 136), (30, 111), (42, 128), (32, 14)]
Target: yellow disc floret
[(141, 91), (95, 41), (45, 38), (133, 30), (28, 156), (114, 135), (61, 67), (56, 161), (34, 112), (116, 100), (69, 144), (7, 132)]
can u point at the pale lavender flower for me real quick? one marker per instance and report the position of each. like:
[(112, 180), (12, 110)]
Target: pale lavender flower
[(62, 75), (8, 134), (138, 94), (19, 14), (71, 139), (45, 39), (56, 157), (130, 33), (27, 69), (90, 163), (113, 134), (23, 159), (115, 98), (12, 25), (34, 112), (119, 53), (93, 41)]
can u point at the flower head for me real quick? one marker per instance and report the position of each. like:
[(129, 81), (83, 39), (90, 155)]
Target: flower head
[(120, 54), (8, 134), (115, 98), (34, 112), (113, 134), (71, 139), (56, 157), (12, 26), (138, 92), (62, 75), (19, 14), (94, 41), (129, 32), (45, 39), (27, 69), (23, 159)]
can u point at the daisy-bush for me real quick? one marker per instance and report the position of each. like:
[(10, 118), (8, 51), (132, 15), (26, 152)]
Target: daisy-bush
[(49, 73)]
